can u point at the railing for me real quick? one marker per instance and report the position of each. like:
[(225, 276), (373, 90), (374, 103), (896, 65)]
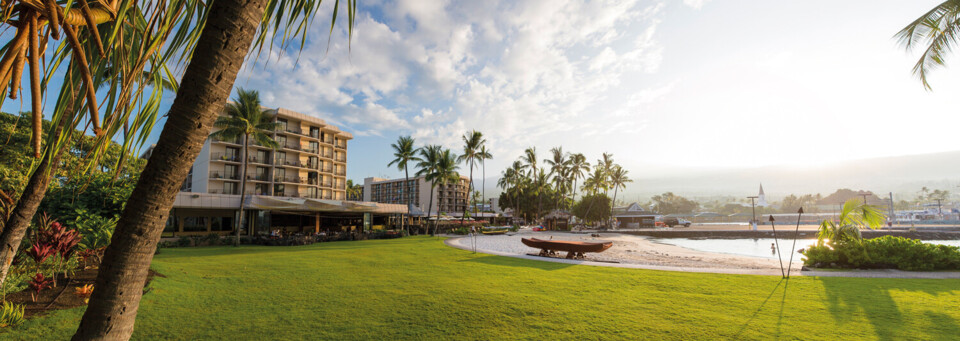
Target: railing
[(291, 195), (328, 155), (313, 181), (294, 147), (311, 150), (327, 184), (255, 159), (328, 169), (225, 157), (294, 163), (313, 164), (224, 175), (261, 177), (293, 180), (221, 191), (233, 141), (293, 130), (341, 186), (341, 158), (341, 172)]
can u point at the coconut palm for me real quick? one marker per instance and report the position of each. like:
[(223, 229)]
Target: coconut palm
[(223, 32), (854, 216), (578, 168), (530, 158), (404, 152), (427, 164), (446, 174), (558, 168), (938, 31), (607, 164), (512, 181), (618, 179), (483, 156), (245, 119), (472, 142)]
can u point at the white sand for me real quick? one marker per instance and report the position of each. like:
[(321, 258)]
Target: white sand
[(627, 249)]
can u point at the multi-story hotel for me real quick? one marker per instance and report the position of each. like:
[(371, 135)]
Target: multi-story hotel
[(311, 162), (300, 187), (393, 191)]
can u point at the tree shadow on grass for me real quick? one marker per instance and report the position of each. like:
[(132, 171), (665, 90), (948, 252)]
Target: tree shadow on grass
[(849, 298), (517, 262), (752, 317)]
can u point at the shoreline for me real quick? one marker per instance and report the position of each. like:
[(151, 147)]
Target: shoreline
[(632, 251)]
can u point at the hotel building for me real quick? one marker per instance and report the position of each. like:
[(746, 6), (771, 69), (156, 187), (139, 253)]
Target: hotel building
[(393, 191), (311, 162), (300, 187)]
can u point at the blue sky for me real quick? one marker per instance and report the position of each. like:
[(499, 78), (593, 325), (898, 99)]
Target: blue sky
[(663, 85)]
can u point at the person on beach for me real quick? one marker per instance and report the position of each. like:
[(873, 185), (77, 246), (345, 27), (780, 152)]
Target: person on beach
[(773, 249)]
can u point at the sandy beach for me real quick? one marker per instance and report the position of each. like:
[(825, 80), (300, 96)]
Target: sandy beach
[(627, 249)]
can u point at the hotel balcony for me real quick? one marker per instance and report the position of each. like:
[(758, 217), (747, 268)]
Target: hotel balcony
[(290, 180), (261, 177), (254, 159), (218, 175), (326, 184), (220, 191), (225, 157), (290, 163), (235, 141)]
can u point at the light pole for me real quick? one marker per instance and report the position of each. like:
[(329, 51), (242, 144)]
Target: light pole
[(753, 207)]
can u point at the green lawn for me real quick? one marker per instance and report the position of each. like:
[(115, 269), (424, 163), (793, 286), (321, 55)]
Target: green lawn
[(418, 288)]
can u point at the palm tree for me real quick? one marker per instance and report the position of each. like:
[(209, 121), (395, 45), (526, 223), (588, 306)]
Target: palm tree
[(618, 179), (354, 191), (530, 157), (594, 184), (483, 156), (245, 119), (472, 142), (578, 168), (445, 173), (404, 152), (854, 216), (558, 168), (511, 182), (427, 164), (607, 163), (938, 30), (223, 33)]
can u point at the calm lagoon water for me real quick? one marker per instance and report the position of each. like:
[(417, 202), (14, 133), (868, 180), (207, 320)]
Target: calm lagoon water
[(759, 247)]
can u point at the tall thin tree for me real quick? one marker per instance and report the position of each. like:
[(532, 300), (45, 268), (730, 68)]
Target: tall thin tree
[(245, 119), (483, 156), (404, 152), (223, 39), (618, 179), (427, 167), (472, 142)]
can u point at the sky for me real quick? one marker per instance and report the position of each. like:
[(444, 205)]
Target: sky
[(665, 86)]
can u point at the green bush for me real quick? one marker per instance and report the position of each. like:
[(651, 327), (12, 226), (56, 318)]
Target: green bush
[(183, 241), (887, 252), (11, 314), (462, 230)]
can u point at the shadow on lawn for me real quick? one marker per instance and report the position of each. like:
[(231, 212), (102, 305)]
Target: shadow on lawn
[(870, 298), (517, 262), (762, 304)]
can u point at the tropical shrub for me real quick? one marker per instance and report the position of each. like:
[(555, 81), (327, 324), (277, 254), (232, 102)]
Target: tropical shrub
[(10, 314), (84, 292), (594, 207), (887, 252), (183, 241), (39, 282)]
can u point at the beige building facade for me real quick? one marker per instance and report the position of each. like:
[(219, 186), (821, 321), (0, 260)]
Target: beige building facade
[(311, 162)]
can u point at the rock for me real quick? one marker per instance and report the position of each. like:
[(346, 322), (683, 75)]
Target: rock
[(804, 268)]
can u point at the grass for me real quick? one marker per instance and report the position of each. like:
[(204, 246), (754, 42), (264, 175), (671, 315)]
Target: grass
[(417, 288)]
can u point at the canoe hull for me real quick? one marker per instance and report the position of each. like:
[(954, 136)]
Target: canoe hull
[(567, 246)]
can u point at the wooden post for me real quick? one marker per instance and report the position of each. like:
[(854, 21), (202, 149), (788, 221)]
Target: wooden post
[(316, 221)]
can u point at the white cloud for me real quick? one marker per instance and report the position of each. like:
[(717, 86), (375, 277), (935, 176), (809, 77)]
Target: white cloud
[(695, 4)]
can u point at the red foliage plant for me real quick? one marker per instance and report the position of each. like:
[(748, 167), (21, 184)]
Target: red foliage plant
[(38, 283), (39, 252), (60, 237)]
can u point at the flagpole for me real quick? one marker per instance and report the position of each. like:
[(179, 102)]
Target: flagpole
[(777, 242), (796, 234)]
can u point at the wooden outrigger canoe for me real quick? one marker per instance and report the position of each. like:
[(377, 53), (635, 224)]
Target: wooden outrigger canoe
[(494, 232), (573, 249)]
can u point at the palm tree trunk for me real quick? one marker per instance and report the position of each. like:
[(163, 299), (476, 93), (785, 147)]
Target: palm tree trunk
[(19, 218), (469, 193), (483, 188), (243, 189), (430, 207), (406, 187), (614, 203), (204, 88)]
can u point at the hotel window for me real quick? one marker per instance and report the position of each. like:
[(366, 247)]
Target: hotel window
[(279, 173), (283, 124), (262, 173), (281, 140), (230, 188), (221, 224), (314, 146), (261, 189), (233, 153), (263, 156), (231, 171), (315, 132), (194, 224), (281, 158), (277, 189)]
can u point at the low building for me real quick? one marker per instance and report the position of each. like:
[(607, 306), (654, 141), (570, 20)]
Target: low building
[(449, 200), (634, 216)]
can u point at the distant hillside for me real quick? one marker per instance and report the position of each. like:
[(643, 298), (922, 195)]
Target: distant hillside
[(902, 175)]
